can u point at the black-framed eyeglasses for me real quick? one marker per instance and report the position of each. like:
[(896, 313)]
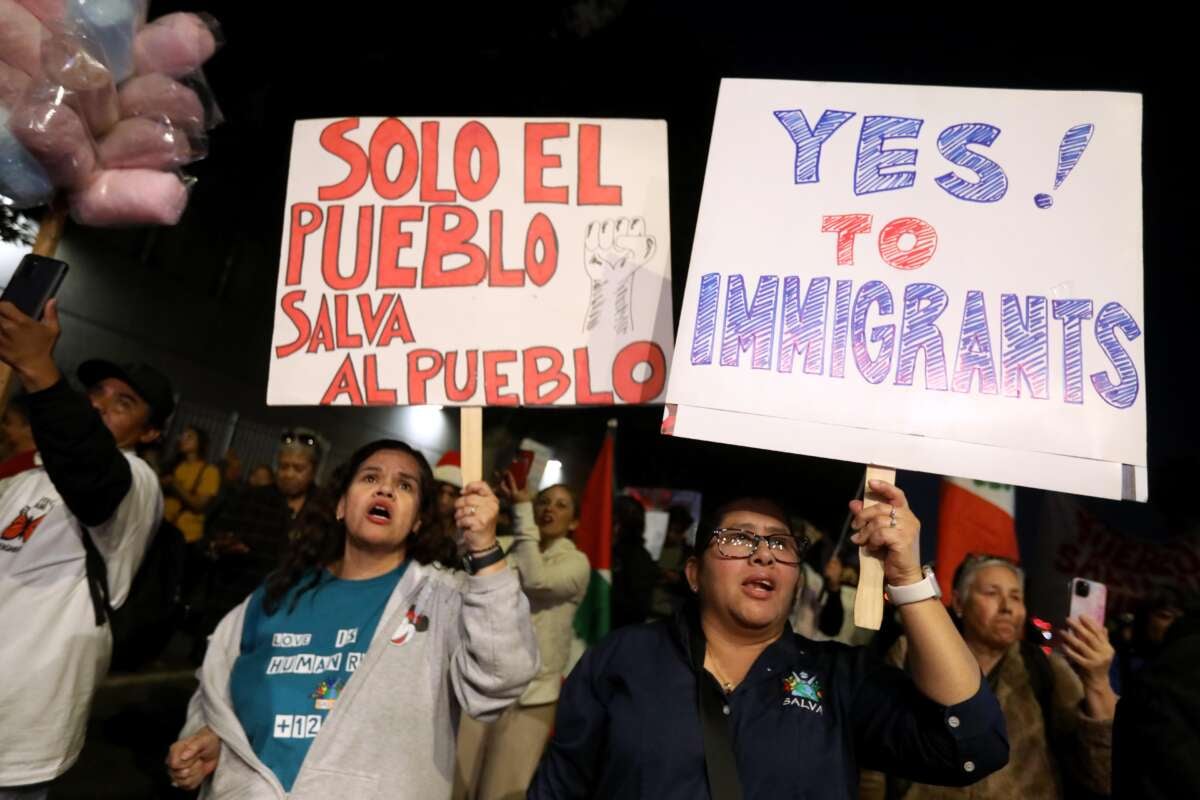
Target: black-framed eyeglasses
[(785, 548), (298, 437)]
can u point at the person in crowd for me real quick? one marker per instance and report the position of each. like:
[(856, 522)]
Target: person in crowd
[(498, 760), (1144, 635), (1156, 732), (260, 476), (230, 469), (250, 536), (818, 612), (17, 436), (191, 485), (671, 587), (725, 701), (357, 619), (448, 484), (1059, 710), (634, 573), (92, 502)]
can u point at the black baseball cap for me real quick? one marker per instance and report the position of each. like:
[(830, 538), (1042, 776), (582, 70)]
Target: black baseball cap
[(150, 384)]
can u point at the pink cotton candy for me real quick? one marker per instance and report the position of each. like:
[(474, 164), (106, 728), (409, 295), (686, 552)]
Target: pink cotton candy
[(13, 84), (20, 38), (130, 197), (176, 45), (100, 108), (157, 95), (71, 63), (46, 10), (143, 143), (55, 135)]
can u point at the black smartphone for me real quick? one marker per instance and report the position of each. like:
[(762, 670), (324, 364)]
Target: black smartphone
[(33, 284)]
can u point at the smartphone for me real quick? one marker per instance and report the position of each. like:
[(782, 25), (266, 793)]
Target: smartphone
[(35, 282), (529, 463), (1088, 599)]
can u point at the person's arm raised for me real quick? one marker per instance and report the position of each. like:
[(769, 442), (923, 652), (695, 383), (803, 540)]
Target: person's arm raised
[(475, 515), (942, 666), (79, 453)]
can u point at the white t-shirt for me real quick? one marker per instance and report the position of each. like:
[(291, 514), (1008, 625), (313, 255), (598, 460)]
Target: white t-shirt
[(52, 653)]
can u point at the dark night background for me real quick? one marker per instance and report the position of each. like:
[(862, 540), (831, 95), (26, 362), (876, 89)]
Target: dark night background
[(202, 293), (198, 298)]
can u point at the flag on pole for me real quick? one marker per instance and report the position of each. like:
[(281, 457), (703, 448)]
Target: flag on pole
[(973, 517), (593, 537)]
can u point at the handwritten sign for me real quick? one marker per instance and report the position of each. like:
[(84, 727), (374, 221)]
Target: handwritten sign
[(932, 278), (474, 262)]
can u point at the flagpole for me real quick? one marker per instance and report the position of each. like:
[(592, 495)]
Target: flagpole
[(611, 430)]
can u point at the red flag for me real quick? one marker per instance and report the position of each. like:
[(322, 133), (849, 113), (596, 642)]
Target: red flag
[(594, 538), (973, 517)]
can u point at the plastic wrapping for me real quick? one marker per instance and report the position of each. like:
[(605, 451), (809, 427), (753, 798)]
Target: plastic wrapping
[(130, 197), (145, 143), (104, 106), (77, 65), (13, 85), (23, 181), (156, 95), (20, 37), (175, 45), (46, 10), (111, 25), (56, 135)]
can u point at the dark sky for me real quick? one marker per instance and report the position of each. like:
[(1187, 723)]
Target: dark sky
[(661, 60)]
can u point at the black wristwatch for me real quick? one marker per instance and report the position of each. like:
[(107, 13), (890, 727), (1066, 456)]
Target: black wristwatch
[(473, 562)]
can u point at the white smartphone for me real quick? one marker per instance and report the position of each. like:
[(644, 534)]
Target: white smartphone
[(1088, 599)]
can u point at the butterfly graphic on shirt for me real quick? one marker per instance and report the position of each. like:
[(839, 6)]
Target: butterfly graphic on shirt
[(27, 521)]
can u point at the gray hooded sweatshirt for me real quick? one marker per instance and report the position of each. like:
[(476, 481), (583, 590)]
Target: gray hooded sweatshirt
[(392, 732)]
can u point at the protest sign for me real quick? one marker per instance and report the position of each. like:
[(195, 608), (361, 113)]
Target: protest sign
[(474, 262), (932, 278)]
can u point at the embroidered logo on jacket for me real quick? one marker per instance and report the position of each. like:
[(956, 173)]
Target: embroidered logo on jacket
[(803, 691), (413, 623), (26, 523)]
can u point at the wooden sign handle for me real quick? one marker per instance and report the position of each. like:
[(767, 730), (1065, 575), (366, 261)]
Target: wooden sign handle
[(50, 231), (470, 443), (868, 599)]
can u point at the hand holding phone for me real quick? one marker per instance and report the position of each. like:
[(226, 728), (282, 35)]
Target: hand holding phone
[(1088, 599), (1085, 643), (34, 284), (27, 339)]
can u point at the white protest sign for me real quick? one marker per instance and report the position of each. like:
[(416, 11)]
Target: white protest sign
[(930, 278), (474, 262)]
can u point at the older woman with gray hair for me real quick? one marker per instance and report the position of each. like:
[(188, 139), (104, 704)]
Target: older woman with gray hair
[(1059, 710)]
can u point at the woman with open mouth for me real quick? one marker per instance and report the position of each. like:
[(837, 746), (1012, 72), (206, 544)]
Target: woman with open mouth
[(344, 675), (497, 761), (726, 702)]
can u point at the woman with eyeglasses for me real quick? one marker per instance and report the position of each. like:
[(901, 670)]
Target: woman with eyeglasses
[(725, 701), (248, 533), (344, 675)]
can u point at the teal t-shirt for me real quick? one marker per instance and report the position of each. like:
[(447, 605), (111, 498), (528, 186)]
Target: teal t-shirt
[(295, 663)]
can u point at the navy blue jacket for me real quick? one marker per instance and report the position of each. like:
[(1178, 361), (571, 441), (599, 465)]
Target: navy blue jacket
[(806, 718)]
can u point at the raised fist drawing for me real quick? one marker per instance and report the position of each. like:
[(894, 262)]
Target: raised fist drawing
[(613, 250)]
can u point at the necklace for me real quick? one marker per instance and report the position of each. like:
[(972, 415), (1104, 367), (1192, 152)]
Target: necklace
[(727, 686)]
